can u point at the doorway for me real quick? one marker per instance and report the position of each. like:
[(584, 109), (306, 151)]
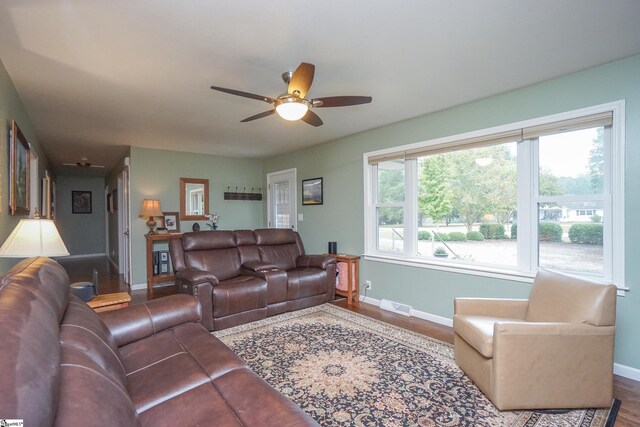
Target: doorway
[(124, 242), (281, 199)]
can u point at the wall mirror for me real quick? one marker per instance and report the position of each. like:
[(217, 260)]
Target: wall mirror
[(194, 199)]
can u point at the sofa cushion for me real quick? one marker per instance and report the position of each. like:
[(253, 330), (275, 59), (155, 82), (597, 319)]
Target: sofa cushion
[(242, 293), (559, 298), (306, 282), (88, 395), (33, 297), (222, 263), (82, 329), (172, 362), (204, 240)]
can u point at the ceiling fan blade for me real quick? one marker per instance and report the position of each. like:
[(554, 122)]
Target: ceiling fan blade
[(245, 94), (258, 116), (312, 118), (340, 101), (301, 80)]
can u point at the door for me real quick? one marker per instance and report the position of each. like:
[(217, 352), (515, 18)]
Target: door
[(281, 199), (124, 242)]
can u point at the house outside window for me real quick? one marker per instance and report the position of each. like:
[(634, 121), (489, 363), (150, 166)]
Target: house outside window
[(543, 193)]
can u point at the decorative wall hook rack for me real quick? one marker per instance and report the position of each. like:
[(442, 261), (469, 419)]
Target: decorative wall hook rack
[(241, 193)]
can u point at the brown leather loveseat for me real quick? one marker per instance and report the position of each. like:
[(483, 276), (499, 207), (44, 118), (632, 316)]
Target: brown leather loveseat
[(243, 276), (149, 364)]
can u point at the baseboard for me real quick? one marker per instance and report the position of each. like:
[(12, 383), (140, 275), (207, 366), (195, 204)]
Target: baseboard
[(626, 371), (84, 256), (618, 369), (139, 287)]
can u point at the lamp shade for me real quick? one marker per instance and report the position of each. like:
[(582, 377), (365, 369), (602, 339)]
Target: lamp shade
[(34, 237), (292, 108), (151, 207)]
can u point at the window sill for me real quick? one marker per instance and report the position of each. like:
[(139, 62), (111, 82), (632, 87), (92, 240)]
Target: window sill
[(482, 271)]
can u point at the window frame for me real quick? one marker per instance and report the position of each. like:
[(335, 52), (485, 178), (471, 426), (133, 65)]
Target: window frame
[(613, 245)]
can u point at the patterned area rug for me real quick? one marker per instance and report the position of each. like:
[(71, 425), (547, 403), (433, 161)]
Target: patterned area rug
[(345, 369)]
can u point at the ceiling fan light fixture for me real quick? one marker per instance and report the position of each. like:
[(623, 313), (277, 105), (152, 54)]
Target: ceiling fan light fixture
[(291, 108)]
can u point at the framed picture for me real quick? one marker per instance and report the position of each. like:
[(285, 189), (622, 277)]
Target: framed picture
[(81, 202), (164, 256), (171, 222), (19, 186), (312, 191)]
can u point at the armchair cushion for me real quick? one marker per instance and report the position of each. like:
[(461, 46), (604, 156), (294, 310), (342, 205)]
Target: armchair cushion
[(560, 298)]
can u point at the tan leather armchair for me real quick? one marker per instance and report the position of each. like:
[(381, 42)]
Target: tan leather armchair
[(554, 350)]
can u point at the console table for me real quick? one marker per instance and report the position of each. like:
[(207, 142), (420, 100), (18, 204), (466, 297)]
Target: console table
[(159, 278), (353, 279)]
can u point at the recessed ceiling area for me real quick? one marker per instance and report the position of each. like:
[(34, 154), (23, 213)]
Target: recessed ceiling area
[(98, 77)]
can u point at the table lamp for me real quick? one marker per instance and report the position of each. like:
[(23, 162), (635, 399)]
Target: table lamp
[(151, 208), (34, 237)]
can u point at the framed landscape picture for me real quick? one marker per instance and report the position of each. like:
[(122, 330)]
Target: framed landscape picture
[(312, 191), (81, 202), (19, 171)]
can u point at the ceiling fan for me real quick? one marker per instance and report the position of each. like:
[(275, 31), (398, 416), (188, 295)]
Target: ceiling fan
[(83, 163), (293, 105)]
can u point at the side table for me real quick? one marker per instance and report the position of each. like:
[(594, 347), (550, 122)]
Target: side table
[(353, 279), (108, 302), (159, 278)]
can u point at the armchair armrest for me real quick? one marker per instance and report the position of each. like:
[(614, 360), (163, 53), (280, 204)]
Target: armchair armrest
[(315, 261), (562, 357), (139, 321), (493, 307)]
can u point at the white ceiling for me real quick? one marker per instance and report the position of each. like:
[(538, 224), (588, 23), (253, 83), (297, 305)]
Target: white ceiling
[(98, 76)]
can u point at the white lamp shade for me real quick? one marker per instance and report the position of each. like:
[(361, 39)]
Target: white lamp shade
[(292, 110), (34, 237), (150, 207)]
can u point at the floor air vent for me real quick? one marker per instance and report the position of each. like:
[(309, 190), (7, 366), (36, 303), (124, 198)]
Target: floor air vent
[(396, 307)]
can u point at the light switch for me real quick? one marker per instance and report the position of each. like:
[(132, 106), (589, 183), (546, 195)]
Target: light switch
[(300, 217)]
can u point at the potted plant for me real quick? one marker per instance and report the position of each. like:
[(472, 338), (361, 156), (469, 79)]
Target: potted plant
[(440, 252)]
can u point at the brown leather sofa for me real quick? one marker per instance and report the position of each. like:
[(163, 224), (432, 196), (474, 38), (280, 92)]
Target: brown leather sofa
[(243, 276), (554, 350), (150, 364)]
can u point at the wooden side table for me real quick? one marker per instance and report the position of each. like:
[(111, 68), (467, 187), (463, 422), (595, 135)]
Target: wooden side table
[(108, 302), (353, 277), (159, 278)]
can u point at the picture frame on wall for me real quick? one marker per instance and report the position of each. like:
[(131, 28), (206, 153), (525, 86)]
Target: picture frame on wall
[(81, 202), (171, 222), (20, 159), (312, 191)]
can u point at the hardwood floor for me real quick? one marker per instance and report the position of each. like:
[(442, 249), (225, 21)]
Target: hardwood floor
[(628, 391)]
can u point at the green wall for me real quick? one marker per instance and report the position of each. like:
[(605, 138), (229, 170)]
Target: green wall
[(341, 216), (11, 108), (155, 174), (83, 234)]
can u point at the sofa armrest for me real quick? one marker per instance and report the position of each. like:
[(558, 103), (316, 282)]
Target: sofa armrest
[(259, 266), (139, 321), (493, 307), (199, 283), (315, 261), (195, 276)]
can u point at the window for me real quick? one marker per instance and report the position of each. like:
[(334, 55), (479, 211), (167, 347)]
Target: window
[(543, 193)]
